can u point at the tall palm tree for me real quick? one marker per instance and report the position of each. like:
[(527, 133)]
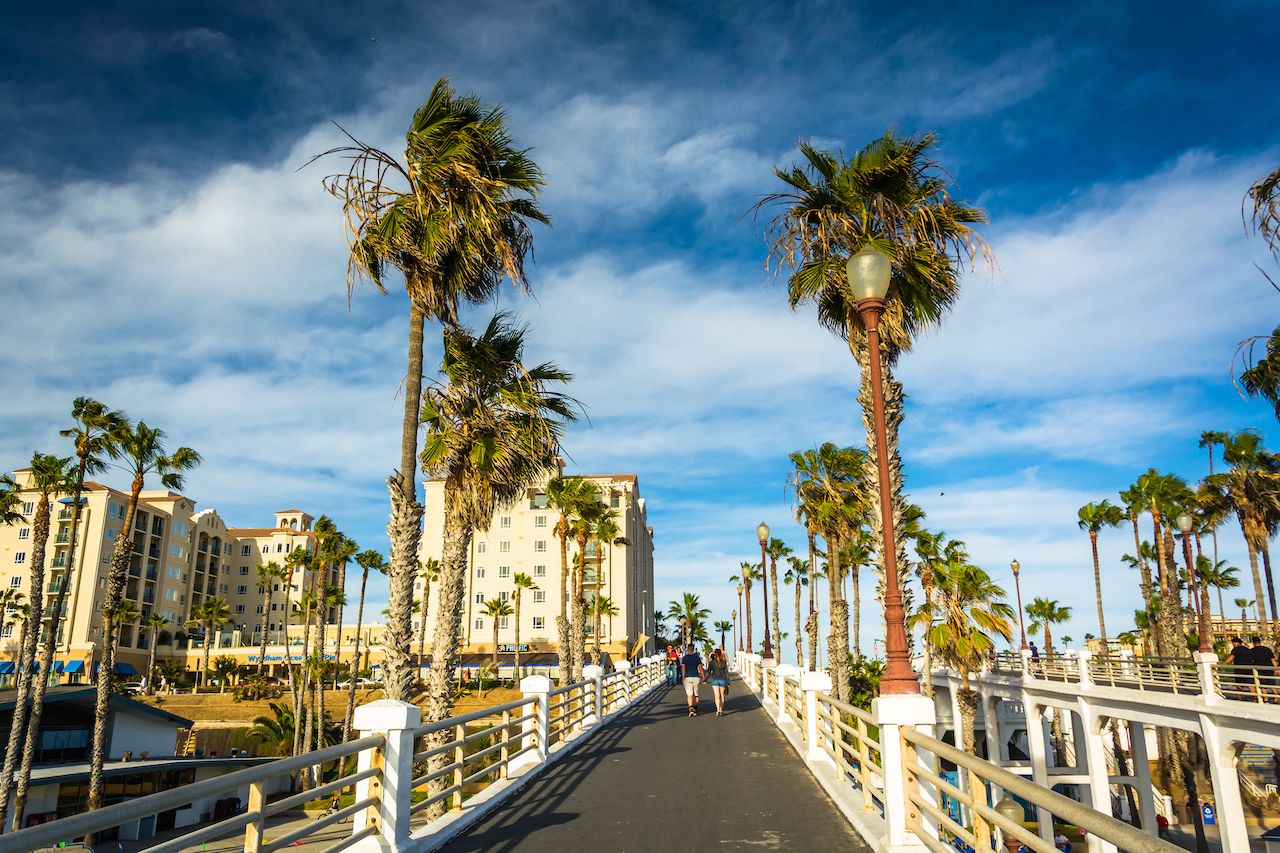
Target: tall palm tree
[(723, 626), (1092, 518), (210, 614), (454, 218), (584, 530), (1043, 614), (10, 501), (776, 550), (50, 475), (496, 609), (1219, 576), (492, 433), (689, 610), (429, 571), (894, 195), (268, 574), (521, 582), (568, 496), (367, 560), (1244, 604), (749, 573), (154, 624), (95, 431), (798, 575), (601, 606), (1165, 496), (1250, 489), (1208, 439)]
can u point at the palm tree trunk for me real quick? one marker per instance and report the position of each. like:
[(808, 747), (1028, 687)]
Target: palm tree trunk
[(1144, 571), (812, 621), (151, 660), (857, 612), (773, 590), (422, 626), (578, 627), (404, 527), (746, 589), (564, 642), (208, 646), (799, 635), (1260, 601), (46, 657), (1122, 768), (495, 648), (967, 699), (927, 686), (838, 636), (266, 616), (1271, 592), (26, 655), (515, 672), (355, 662), (1097, 586)]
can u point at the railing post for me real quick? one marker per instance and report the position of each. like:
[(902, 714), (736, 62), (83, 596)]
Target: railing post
[(459, 761), (893, 713), (506, 742), (1206, 662), (594, 676), (813, 683), (535, 687), (255, 831), (1086, 677), (783, 671), (396, 722), (624, 669), (1026, 664), (1126, 662)]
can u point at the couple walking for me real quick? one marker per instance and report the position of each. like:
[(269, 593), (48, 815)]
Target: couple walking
[(693, 672)]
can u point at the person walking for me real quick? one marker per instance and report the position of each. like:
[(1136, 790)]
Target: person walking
[(673, 666), (1264, 665), (718, 676), (692, 672)]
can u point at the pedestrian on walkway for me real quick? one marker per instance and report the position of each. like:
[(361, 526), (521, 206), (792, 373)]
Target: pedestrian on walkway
[(718, 675), (1264, 664), (673, 666), (692, 672)]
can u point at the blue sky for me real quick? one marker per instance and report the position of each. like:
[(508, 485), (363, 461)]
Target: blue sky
[(161, 249)]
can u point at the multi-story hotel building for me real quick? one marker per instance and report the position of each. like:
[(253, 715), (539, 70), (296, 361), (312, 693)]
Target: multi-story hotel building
[(522, 539), (181, 556)]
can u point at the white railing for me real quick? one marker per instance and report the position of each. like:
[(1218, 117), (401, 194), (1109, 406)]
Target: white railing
[(882, 770), (500, 747)]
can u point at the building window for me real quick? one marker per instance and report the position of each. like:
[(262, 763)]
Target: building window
[(539, 571), (279, 548), (481, 547), (504, 571), (15, 581), (615, 501), (504, 547), (20, 557), (244, 550), (242, 589), (539, 596), (502, 622), (479, 598), (260, 610), (7, 630), (244, 570), (175, 551), (222, 588), (539, 623), (504, 521), (480, 572), (28, 508), (504, 596), (239, 608), (540, 546), (479, 624), (111, 534), (538, 501), (24, 533), (266, 549), (539, 521)]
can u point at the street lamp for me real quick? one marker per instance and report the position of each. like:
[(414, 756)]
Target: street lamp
[(1015, 565), (868, 271), (1185, 523), (762, 533), (1009, 809), (736, 641)]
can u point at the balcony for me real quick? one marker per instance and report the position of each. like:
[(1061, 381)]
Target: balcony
[(60, 561), (63, 538), (148, 596), (151, 573), (154, 551)]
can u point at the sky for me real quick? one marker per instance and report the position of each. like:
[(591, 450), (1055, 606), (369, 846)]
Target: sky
[(166, 248)]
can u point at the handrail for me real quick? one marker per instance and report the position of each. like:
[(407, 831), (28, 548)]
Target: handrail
[(1122, 834), (74, 826)]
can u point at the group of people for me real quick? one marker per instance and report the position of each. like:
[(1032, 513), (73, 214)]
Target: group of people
[(689, 669), (1255, 666)]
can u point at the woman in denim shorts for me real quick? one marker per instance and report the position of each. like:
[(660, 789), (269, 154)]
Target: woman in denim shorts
[(718, 675)]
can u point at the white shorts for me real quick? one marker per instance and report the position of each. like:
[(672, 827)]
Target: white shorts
[(691, 686)]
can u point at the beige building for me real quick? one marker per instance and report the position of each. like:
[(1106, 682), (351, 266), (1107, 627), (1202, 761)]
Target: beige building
[(522, 539), (181, 556)]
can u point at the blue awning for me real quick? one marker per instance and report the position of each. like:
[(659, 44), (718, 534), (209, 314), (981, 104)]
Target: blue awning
[(74, 666), (7, 667), (58, 665), (124, 669)]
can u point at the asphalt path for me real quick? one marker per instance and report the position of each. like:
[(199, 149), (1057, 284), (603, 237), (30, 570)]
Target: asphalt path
[(655, 779)]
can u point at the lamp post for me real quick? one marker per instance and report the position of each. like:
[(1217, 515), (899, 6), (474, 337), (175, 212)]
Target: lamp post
[(1185, 523), (1016, 566), (762, 533), (868, 271), (735, 630), (1009, 809), (739, 610)]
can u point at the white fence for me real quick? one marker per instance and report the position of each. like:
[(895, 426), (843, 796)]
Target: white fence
[(506, 746)]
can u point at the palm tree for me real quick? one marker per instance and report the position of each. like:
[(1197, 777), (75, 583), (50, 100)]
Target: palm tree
[(776, 550), (723, 626), (568, 496), (1218, 575), (268, 574), (454, 219), (748, 572), (1261, 376), (50, 475), (10, 501), (491, 433), (1134, 502), (429, 571), (95, 433), (601, 606), (1092, 518), (210, 614), (797, 574), (689, 610), (1044, 613), (367, 560), (275, 732), (1244, 604), (895, 196), (584, 530), (521, 582), (1208, 439), (154, 624), (496, 609), (1250, 489)]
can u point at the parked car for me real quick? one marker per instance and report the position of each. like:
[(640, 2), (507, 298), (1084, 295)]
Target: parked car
[(361, 683), (133, 688)]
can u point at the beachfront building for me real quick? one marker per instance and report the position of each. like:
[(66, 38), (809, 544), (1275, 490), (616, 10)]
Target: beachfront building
[(522, 539)]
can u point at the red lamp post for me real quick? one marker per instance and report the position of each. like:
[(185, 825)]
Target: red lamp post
[(868, 271), (740, 610), (762, 533), (1016, 566)]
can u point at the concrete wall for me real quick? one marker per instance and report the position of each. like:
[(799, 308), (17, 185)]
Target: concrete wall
[(141, 734)]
